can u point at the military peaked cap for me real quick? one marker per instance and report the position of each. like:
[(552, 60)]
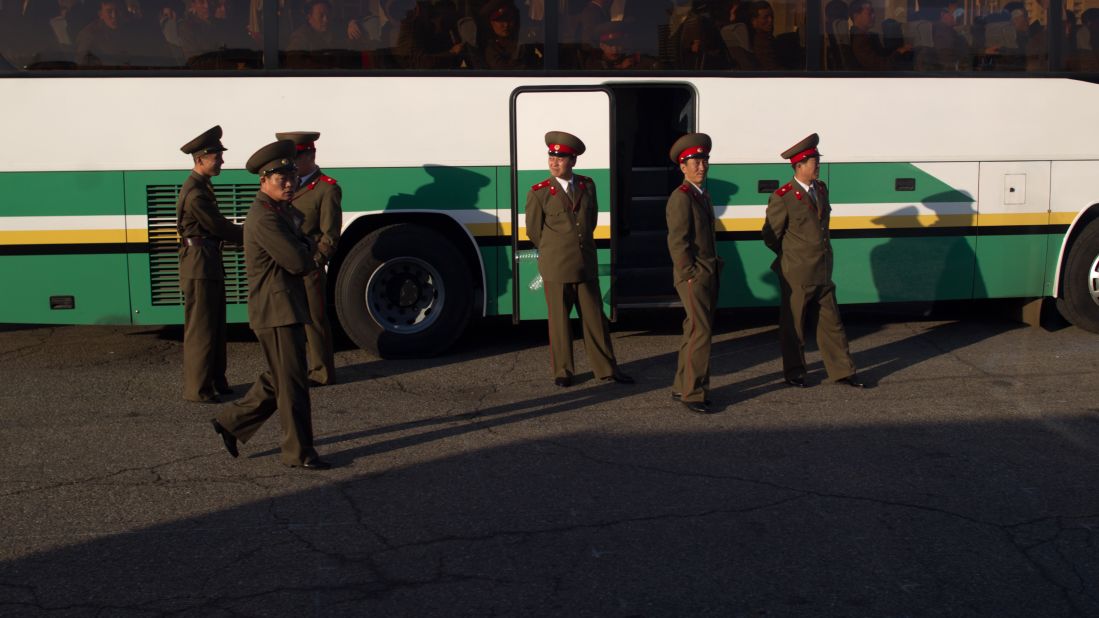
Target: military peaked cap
[(611, 32), (803, 150), (561, 143), (209, 141), (274, 157), (500, 10), (691, 146), (303, 140)]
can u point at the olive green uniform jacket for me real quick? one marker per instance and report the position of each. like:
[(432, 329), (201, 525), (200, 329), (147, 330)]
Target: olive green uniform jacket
[(276, 256), (319, 203), (562, 231), (197, 216), (797, 231)]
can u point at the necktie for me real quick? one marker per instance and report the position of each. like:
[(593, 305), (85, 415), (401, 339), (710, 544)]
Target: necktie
[(570, 192), (813, 193)]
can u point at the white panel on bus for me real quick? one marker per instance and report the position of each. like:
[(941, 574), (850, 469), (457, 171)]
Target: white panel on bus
[(584, 114)]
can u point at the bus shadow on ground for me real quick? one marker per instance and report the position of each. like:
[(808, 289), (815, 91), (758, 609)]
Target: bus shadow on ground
[(871, 518)]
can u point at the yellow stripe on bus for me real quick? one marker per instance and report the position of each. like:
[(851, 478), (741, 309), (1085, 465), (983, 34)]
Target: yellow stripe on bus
[(62, 237)]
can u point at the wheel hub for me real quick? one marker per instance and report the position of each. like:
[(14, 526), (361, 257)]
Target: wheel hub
[(405, 295)]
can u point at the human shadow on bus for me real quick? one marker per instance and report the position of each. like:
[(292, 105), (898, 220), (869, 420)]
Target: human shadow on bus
[(735, 289)]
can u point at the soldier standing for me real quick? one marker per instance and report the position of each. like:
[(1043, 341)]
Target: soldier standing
[(561, 215), (318, 199), (202, 229), (277, 256), (796, 229), (696, 269)]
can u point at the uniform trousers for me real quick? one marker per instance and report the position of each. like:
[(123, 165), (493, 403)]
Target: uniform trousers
[(282, 387), (321, 358), (692, 374), (204, 335), (803, 305), (585, 296)]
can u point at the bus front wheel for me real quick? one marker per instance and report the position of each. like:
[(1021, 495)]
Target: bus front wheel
[(1079, 302), (404, 291)]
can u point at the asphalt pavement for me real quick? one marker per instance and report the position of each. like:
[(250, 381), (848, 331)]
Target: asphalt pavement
[(964, 483)]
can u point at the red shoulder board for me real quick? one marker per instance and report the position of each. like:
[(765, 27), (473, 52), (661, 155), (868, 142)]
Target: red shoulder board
[(542, 185), (784, 189), (330, 180), (684, 188)]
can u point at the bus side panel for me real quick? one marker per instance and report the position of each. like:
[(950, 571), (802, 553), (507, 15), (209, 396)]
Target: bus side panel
[(62, 234), (903, 232), (154, 271), (1013, 218)]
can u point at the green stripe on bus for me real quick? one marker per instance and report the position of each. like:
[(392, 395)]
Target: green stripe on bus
[(97, 284)]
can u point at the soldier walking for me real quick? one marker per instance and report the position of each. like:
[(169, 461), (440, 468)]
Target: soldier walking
[(696, 269), (202, 230), (798, 214), (277, 256), (561, 215), (318, 199)]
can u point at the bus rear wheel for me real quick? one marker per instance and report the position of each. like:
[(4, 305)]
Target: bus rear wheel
[(404, 291), (1079, 302)]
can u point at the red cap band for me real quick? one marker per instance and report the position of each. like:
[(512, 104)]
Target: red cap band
[(306, 147), (500, 14), (606, 37), (804, 154), (561, 149), (693, 151)]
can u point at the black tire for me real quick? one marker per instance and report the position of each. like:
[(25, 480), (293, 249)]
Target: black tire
[(1079, 301), (404, 291)]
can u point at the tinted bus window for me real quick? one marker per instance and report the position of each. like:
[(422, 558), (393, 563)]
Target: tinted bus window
[(689, 36), (412, 34), (128, 34)]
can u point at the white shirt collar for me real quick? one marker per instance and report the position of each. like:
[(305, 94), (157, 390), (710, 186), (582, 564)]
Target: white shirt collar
[(698, 188), (803, 185), (565, 183)]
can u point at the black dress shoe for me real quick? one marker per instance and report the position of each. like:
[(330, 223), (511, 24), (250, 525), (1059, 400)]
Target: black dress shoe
[(227, 438), (562, 382), (698, 407), (316, 464), (852, 381), (621, 378), (798, 381), (679, 396), (223, 389), (210, 399)]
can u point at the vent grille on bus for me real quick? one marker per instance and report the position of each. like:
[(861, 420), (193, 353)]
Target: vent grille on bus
[(233, 201)]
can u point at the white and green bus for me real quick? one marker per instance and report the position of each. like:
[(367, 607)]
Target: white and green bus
[(944, 185)]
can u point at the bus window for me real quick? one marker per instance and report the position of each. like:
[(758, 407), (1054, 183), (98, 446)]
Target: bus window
[(766, 35), (1081, 41), (867, 35), (412, 34), (1012, 39), (128, 34), (683, 35)]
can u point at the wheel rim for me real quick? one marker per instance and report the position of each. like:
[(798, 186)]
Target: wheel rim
[(405, 295), (1093, 280)]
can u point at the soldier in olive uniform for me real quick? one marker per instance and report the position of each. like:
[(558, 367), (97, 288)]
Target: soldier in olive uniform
[(696, 268), (797, 231), (318, 199), (561, 215), (277, 255), (202, 229)]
